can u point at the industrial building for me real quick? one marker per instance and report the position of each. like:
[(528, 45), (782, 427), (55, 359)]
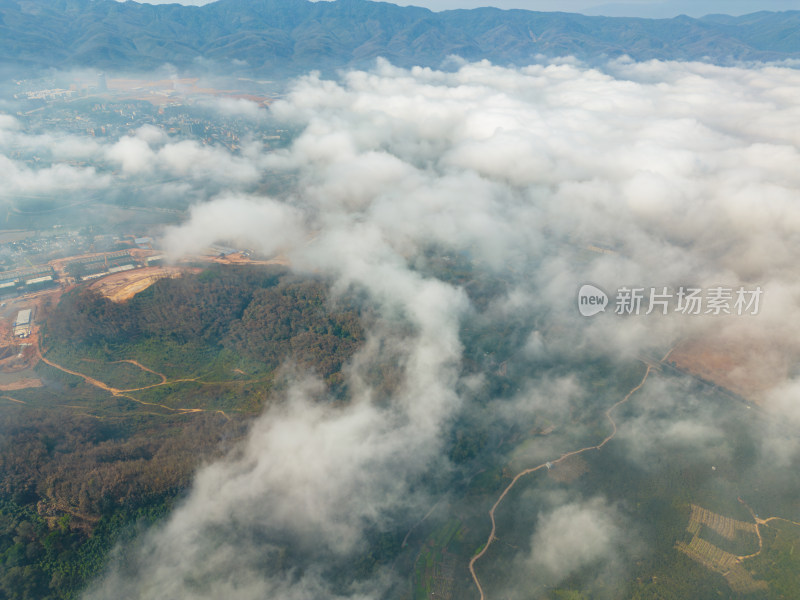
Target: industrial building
[(93, 267), (21, 281), (23, 323)]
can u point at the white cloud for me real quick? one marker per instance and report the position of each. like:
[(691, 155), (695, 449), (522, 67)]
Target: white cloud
[(269, 226), (7, 122), (239, 107), (575, 535), (133, 154), (50, 180), (686, 172)]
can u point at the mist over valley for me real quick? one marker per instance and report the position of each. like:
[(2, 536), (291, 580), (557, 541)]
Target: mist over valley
[(398, 326)]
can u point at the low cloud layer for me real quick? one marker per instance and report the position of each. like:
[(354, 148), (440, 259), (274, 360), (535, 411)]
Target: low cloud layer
[(543, 178), (575, 535)]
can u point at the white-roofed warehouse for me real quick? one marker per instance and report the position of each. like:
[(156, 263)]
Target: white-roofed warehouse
[(22, 324)]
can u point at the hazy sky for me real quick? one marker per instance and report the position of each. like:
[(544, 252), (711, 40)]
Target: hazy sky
[(643, 8), (637, 8)]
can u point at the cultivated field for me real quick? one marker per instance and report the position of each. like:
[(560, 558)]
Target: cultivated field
[(725, 526), (746, 367), (714, 558)]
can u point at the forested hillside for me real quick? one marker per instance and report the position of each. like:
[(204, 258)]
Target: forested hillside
[(283, 37), (81, 466)]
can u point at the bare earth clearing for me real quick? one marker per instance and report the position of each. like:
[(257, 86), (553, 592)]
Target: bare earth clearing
[(123, 286), (748, 369), (21, 384)]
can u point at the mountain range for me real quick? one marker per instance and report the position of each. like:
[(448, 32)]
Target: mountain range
[(280, 37)]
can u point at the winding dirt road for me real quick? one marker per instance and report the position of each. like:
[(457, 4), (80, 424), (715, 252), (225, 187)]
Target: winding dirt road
[(760, 522), (124, 393), (521, 474)]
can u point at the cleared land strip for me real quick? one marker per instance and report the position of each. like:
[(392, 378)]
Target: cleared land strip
[(135, 363), (521, 474), (10, 399), (124, 393), (726, 564), (119, 287), (714, 558), (725, 526), (108, 388), (709, 555)]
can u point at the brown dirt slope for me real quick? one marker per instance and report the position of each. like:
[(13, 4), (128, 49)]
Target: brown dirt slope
[(123, 286)]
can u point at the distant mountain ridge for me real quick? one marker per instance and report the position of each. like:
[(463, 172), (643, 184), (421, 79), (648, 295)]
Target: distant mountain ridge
[(278, 37)]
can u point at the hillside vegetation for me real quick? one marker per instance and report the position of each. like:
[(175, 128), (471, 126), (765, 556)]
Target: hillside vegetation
[(280, 37), (82, 465)]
